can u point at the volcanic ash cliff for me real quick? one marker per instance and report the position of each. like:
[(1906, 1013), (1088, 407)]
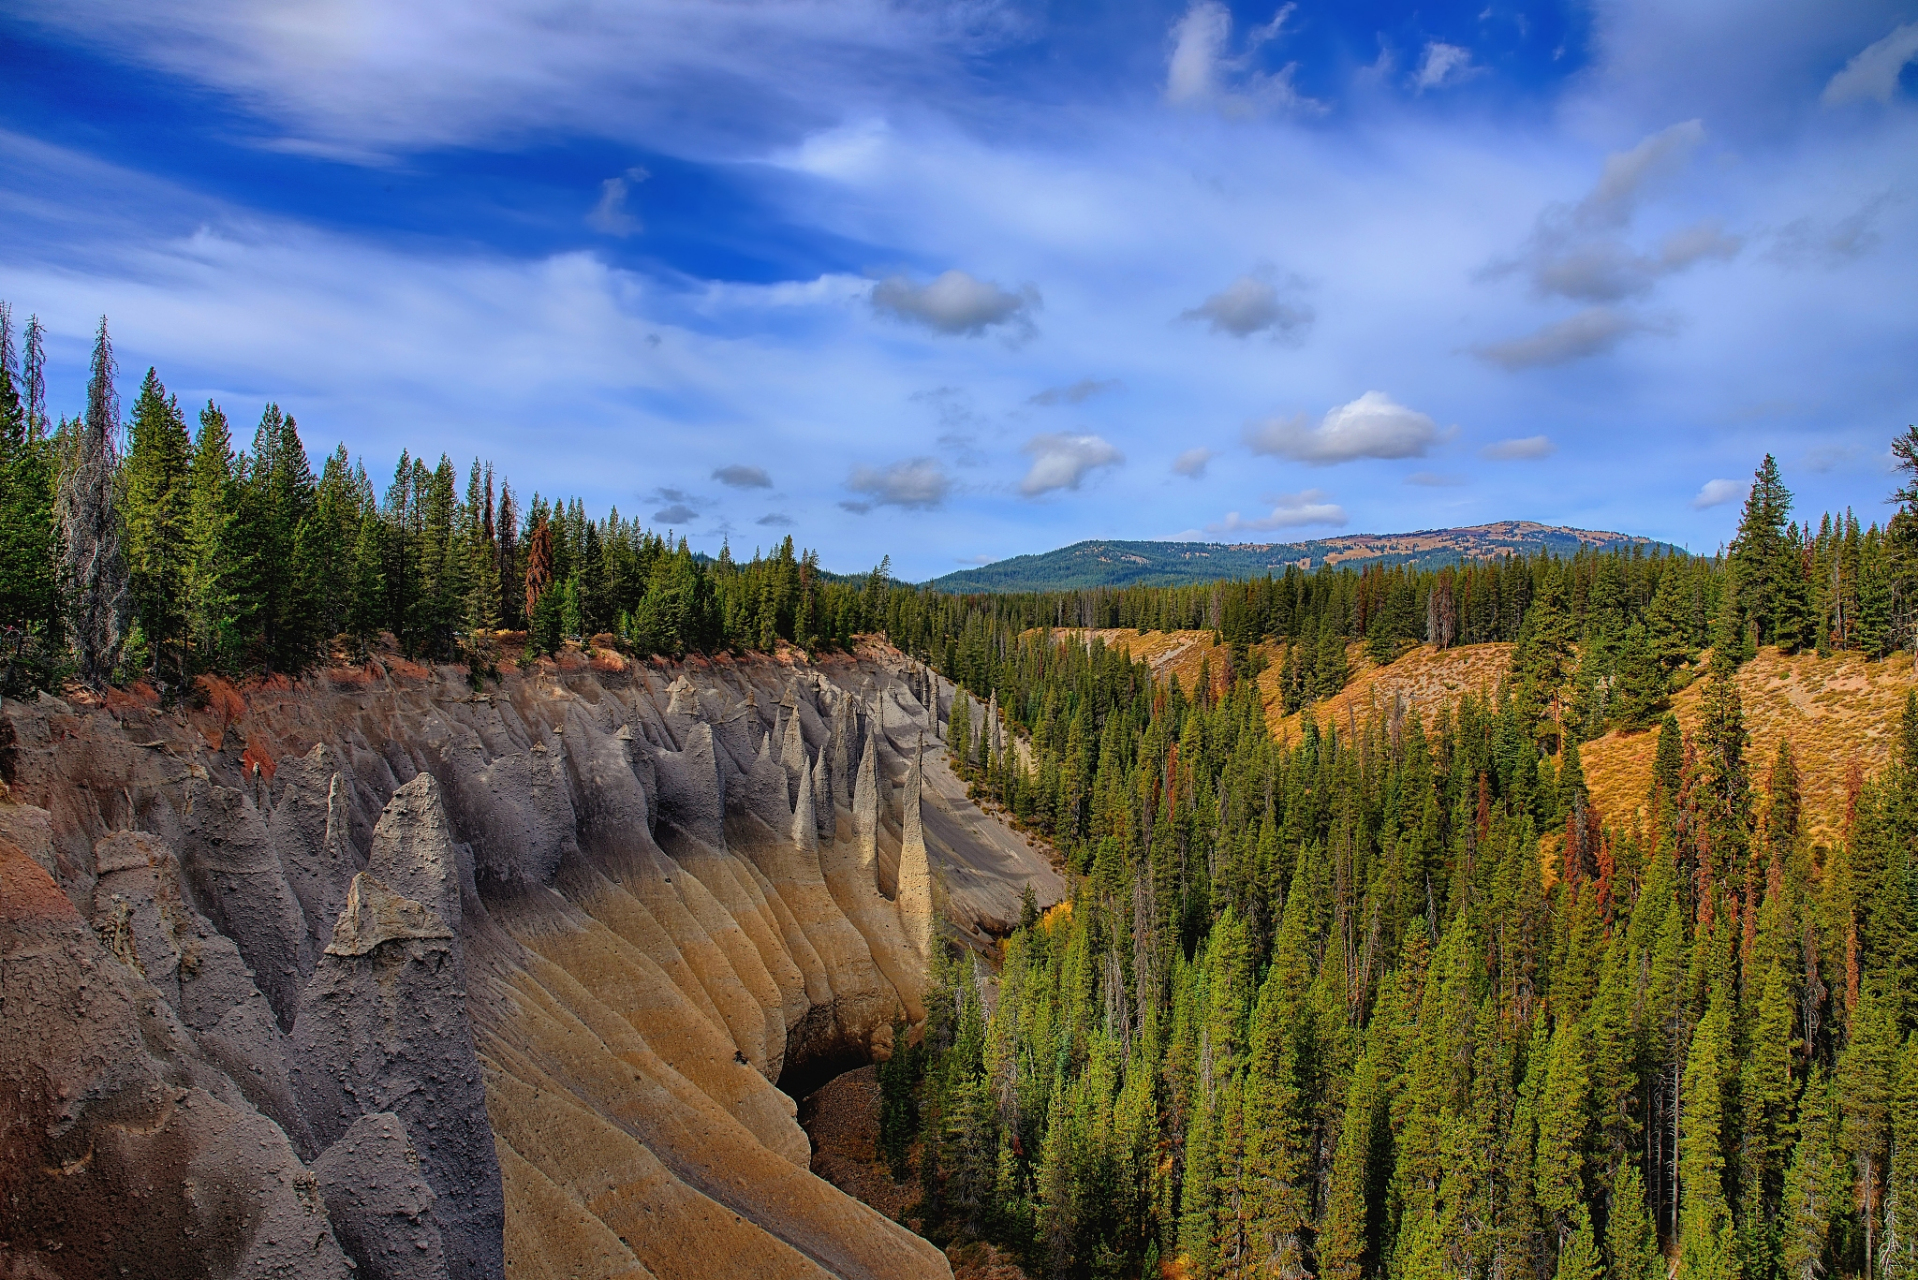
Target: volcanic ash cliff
[(372, 975)]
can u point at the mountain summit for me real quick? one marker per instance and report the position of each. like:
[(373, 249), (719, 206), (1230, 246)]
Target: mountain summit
[(1102, 563)]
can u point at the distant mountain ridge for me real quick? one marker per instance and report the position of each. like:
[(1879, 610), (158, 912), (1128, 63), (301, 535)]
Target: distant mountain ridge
[(1123, 564)]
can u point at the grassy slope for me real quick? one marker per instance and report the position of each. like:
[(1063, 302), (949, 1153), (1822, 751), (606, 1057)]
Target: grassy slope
[(1837, 711)]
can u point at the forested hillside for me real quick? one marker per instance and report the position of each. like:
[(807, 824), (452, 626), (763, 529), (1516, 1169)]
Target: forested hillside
[(1316, 1006), (1162, 564), (1320, 1008)]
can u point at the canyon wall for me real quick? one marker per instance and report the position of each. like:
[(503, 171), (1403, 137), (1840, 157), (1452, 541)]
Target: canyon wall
[(378, 974)]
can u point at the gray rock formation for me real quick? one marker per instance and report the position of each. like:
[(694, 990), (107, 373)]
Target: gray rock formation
[(511, 973), (379, 1202)]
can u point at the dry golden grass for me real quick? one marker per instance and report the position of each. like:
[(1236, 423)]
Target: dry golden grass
[(1423, 680), (1168, 653), (1836, 711)]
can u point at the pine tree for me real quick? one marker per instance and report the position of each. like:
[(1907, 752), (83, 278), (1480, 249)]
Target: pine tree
[(29, 601), (219, 560), (1631, 1240), (1707, 1248), (1814, 1186), (156, 501), (1898, 1254), (1863, 1090), (1759, 563), (93, 570)]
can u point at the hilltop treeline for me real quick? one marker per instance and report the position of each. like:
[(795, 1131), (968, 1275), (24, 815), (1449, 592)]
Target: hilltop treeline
[(1333, 1008), (149, 548)]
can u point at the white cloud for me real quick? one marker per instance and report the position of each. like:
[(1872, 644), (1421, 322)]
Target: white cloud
[(1202, 71), (1250, 305), (1593, 331), (1289, 511), (1191, 464), (1434, 480), (955, 303), (918, 484), (1874, 72), (1061, 461), (1372, 426), (1198, 42), (611, 215), (741, 476), (1522, 448), (1716, 493), (1443, 64)]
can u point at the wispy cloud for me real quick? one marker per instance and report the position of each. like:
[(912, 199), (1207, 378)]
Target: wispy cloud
[(1249, 305), (1874, 72), (1372, 426), (1077, 393), (611, 215), (677, 513), (1519, 449), (1202, 70), (1593, 331), (1288, 511), (1716, 493), (740, 476), (1442, 65), (1061, 461), (1434, 480), (1192, 463)]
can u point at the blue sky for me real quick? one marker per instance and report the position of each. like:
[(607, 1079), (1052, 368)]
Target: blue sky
[(958, 282)]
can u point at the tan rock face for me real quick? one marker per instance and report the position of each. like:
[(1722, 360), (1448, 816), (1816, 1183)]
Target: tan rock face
[(517, 973)]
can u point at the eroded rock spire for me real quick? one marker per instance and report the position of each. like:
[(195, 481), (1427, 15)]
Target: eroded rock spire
[(865, 810), (915, 872)]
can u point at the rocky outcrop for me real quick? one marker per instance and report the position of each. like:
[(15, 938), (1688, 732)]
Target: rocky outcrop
[(392, 976)]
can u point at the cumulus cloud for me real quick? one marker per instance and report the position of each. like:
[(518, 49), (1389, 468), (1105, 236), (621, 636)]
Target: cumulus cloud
[(1591, 332), (1874, 72), (1251, 305), (1202, 70), (741, 476), (1521, 449), (1443, 64), (955, 303), (677, 513), (611, 215), (1372, 426), (1289, 511), (917, 484), (1716, 493), (1078, 393), (1191, 464), (1061, 461)]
